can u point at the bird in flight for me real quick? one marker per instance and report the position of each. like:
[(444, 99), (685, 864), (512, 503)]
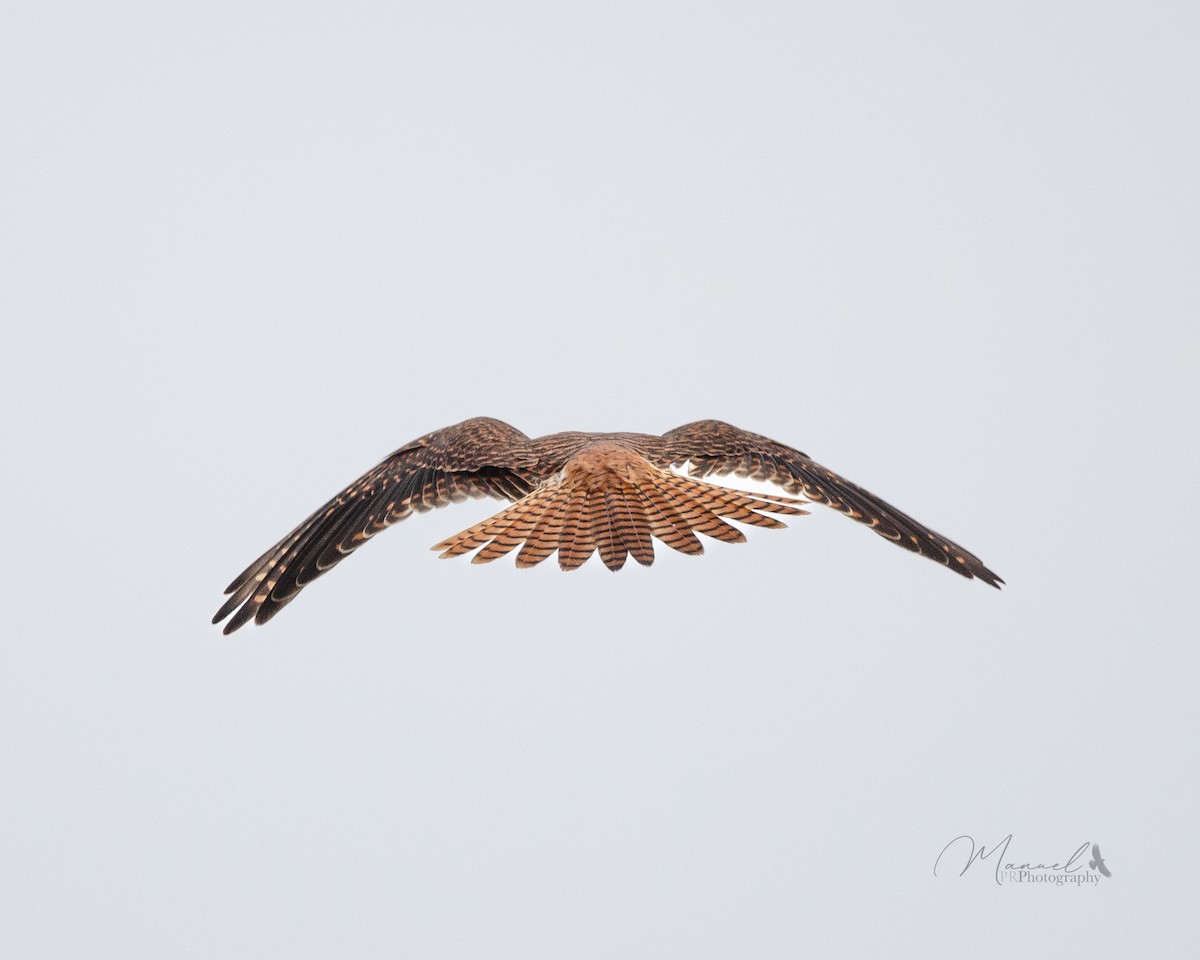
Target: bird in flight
[(576, 493)]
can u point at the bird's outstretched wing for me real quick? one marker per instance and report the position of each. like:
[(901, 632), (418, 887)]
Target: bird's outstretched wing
[(714, 447), (476, 458)]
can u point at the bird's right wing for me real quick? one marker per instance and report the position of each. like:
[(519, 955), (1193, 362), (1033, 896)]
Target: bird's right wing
[(717, 448), (476, 458)]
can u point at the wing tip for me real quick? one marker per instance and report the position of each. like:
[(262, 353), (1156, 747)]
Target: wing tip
[(975, 570)]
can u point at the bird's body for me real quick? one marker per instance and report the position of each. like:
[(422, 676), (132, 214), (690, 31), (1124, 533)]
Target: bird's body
[(575, 493)]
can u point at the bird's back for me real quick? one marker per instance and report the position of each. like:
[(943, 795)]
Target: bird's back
[(555, 449)]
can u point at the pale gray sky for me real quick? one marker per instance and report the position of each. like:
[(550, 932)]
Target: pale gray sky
[(947, 249)]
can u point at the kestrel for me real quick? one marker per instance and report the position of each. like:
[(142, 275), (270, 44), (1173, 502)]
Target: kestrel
[(575, 493)]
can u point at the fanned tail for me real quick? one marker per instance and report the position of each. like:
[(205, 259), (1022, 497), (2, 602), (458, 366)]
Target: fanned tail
[(610, 500)]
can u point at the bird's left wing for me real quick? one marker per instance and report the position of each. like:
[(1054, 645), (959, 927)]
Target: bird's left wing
[(714, 447), (476, 458)]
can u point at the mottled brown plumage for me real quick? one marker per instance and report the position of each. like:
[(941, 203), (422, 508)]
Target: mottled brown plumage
[(609, 498), (575, 493)]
